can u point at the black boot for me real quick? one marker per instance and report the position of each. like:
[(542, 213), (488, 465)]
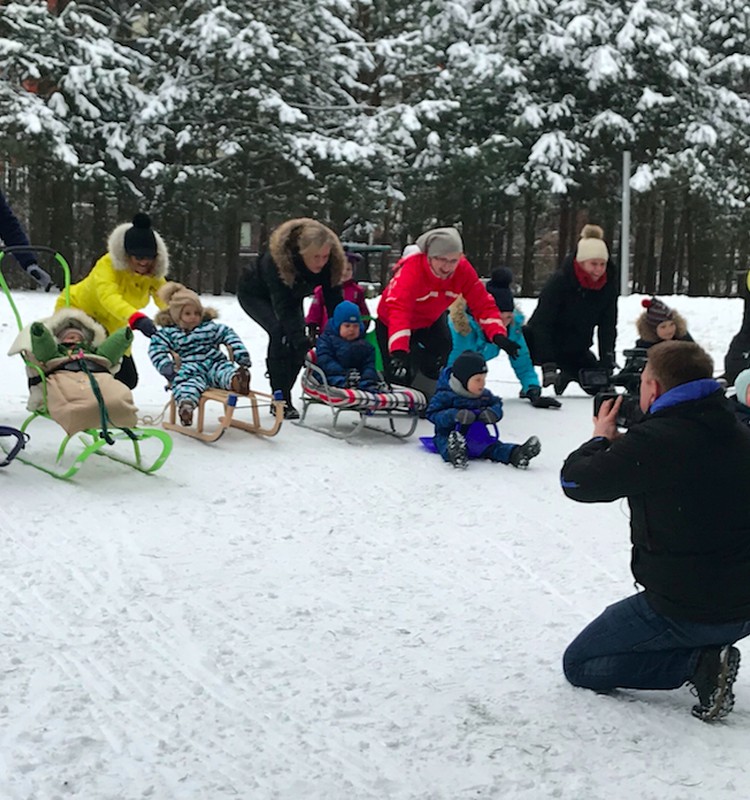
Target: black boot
[(713, 680), (457, 451)]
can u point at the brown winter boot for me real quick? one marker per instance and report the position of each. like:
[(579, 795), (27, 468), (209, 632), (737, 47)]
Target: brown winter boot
[(186, 409), (240, 381)]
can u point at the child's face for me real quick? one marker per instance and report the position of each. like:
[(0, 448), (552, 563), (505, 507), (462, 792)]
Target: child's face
[(666, 330), (506, 317), (348, 272), (476, 383), (71, 337), (190, 317), (349, 331), (141, 265)]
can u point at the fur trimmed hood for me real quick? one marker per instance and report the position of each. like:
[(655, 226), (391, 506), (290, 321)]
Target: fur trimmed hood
[(57, 322), (116, 249), (283, 247), (164, 319), (459, 317), (648, 334)]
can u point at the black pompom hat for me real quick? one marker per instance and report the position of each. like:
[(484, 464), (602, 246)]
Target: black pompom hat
[(140, 241)]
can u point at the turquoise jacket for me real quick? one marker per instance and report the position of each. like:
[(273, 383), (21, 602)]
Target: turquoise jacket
[(467, 335)]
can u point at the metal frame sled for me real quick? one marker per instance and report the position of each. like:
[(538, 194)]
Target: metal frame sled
[(229, 400), (94, 441), (401, 403)]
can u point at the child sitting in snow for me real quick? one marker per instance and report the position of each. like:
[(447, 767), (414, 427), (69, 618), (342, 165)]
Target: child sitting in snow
[(317, 316), (659, 323), (462, 408), (343, 353), (187, 350), (467, 335)]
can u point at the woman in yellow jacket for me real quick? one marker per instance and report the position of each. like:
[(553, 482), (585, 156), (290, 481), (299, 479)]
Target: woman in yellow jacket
[(122, 282)]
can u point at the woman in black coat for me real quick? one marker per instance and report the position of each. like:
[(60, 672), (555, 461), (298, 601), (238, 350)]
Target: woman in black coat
[(302, 254), (580, 296)]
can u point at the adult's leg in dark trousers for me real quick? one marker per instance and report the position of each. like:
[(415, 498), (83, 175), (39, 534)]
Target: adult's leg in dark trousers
[(279, 360), (127, 373), (432, 346)]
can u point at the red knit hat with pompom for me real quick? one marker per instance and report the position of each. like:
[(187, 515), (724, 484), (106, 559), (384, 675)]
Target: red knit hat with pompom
[(656, 311)]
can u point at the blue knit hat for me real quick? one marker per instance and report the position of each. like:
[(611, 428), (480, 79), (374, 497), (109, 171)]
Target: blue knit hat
[(346, 311)]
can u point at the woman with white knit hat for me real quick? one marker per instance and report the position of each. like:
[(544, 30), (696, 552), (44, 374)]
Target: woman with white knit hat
[(580, 297)]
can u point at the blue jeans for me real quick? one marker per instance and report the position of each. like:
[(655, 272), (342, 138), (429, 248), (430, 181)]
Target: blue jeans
[(629, 645)]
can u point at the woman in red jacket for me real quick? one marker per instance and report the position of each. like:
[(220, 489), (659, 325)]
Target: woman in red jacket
[(412, 326)]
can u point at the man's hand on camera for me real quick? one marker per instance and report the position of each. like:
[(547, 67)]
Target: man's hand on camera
[(605, 424)]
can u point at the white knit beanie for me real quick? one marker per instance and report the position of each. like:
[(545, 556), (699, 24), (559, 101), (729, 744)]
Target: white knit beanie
[(591, 244)]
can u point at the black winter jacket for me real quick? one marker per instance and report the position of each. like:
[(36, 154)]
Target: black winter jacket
[(285, 288), (563, 322), (684, 471)]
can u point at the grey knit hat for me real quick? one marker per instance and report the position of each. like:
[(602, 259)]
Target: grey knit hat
[(440, 242)]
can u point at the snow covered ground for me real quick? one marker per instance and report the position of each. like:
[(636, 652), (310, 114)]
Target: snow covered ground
[(299, 618)]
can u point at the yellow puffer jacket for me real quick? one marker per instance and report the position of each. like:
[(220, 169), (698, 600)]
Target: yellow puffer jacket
[(111, 293)]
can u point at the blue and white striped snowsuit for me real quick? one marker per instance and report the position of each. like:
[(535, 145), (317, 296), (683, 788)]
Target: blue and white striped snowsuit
[(203, 364)]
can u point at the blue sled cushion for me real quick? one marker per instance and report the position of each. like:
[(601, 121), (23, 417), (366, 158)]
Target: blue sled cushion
[(401, 398)]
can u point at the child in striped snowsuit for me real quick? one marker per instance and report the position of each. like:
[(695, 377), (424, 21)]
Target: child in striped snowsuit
[(189, 333)]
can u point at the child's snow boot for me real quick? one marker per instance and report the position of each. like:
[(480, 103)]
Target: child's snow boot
[(457, 452), (240, 381), (523, 453), (186, 409)]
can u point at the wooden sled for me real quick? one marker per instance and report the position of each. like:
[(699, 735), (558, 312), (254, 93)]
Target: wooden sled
[(230, 402), (399, 407)]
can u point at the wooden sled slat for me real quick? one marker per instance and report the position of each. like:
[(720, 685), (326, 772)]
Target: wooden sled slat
[(229, 401)]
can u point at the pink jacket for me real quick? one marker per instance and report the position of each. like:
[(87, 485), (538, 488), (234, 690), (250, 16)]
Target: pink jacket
[(317, 315)]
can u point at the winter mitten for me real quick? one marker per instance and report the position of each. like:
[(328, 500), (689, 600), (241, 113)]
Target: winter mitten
[(465, 417), (549, 374), (41, 277), (504, 343), (169, 372), (532, 393), (382, 386), (400, 365), (140, 322), (352, 379), (546, 402), (488, 416), (243, 360)]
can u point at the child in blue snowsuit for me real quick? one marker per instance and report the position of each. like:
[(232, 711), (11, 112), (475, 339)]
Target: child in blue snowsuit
[(343, 353), (467, 335), (462, 408), (189, 332)]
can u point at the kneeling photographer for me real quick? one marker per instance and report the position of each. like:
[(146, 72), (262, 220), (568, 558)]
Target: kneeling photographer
[(683, 470)]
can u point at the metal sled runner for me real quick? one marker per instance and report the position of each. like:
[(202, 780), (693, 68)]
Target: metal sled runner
[(99, 442), (399, 407)]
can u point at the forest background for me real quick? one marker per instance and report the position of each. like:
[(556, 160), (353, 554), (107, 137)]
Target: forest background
[(508, 118)]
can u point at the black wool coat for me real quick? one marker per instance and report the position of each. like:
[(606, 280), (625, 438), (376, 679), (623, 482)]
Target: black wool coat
[(562, 325), (285, 287), (684, 471)]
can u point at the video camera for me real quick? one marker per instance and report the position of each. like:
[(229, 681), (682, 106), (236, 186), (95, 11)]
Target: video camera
[(629, 378)]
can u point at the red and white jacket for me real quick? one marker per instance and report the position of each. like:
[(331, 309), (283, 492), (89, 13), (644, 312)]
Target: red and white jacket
[(416, 297)]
